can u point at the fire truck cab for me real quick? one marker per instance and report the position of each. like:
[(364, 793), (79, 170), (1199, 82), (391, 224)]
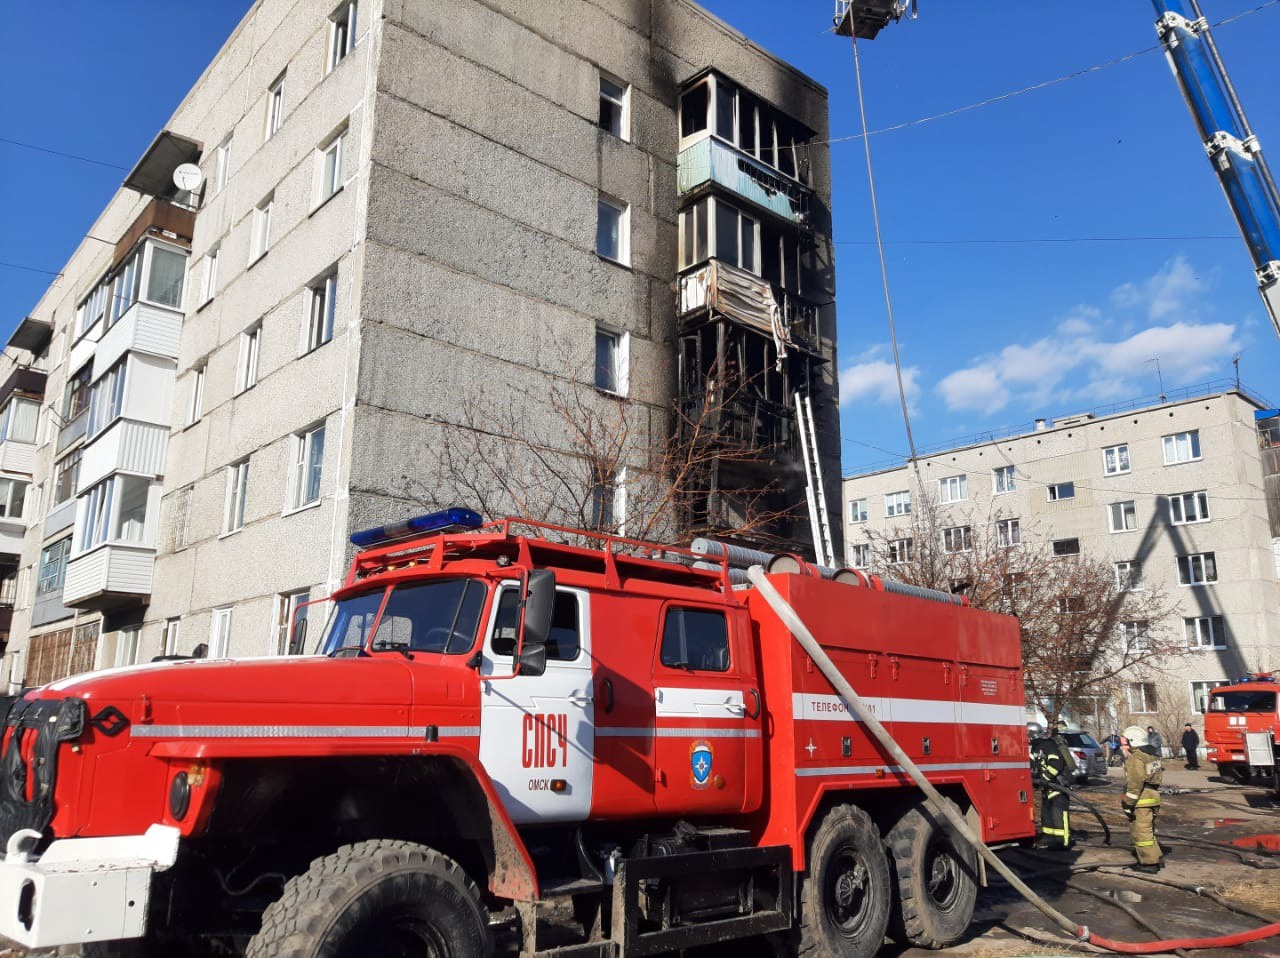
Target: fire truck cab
[(1242, 727), (511, 732)]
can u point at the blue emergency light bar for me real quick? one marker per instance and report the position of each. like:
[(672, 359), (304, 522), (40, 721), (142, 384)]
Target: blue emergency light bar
[(445, 519)]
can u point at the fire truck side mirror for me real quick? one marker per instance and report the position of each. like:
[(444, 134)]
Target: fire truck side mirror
[(539, 603)]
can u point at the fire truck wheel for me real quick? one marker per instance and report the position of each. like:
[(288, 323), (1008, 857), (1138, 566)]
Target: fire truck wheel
[(844, 898), (936, 880), (386, 898)]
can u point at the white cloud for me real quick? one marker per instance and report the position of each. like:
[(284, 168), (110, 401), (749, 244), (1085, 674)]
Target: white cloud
[(877, 381), (1185, 350), (1165, 294), (978, 388)]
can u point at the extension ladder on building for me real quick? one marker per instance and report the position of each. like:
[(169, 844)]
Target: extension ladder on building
[(823, 550)]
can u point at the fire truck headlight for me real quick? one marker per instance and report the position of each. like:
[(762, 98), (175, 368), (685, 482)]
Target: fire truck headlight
[(179, 796)]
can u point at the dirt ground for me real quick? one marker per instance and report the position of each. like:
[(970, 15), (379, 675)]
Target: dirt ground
[(1200, 818)]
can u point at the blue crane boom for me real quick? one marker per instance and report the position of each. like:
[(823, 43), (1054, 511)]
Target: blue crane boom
[(1230, 143)]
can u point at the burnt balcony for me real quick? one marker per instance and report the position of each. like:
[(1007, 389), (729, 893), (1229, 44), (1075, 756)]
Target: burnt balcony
[(713, 161), (756, 431), (717, 287)]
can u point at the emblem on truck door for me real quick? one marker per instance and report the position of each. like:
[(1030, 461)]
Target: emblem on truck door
[(700, 759)]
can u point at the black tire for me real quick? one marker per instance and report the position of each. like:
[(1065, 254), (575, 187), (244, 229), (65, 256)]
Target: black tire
[(936, 877), (1235, 772), (845, 894), (386, 898)]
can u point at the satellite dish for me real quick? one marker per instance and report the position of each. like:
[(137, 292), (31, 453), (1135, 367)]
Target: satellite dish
[(187, 176)]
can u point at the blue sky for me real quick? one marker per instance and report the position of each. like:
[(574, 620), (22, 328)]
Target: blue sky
[(1041, 249)]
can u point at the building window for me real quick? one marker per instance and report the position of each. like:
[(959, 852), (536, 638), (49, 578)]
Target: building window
[(1115, 460), (18, 420), (209, 282), (127, 646), (1008, 532), (182, 518), (736, 237), (93, 307), (53, 567), (953, 489), (1189, 507), (858, 511), (1205, 632), (221, 165), (1123, 516), (897, 504), (613, 227), (342, 34), (126, 286), (1066, 547), (322, 304), (106, 402), (66, 473), (859, 555), (130, 521), (900, 551), (195, 408), (260, 228), (614, 100), (1200, 695), (957, 539), (170, 635), (1181, 447), (77, 394), (287, 606), (1129, 576), (1003, 480), (305, 465), (96, 515), (609, 503), (237, 489), (13, 498), (247, 363), (331, 162), (1142, 697), (611, 361), (220, 633), (1062, 490), (1137, 637), (275, 106), (1200, 568)]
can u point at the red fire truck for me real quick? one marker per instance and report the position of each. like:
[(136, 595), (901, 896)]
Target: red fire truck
[(514, 735), (1242, 727)]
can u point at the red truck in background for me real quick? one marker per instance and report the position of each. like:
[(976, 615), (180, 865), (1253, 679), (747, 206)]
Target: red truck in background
[(588, 744), (1242, 728)]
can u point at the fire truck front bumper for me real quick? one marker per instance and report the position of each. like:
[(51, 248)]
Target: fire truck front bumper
[(81, 889)]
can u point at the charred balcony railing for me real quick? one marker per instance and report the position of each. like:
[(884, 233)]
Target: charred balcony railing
[(748, 299), (741, 425), (712, 160)]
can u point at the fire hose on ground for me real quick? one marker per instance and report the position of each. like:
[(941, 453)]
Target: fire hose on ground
[(952, 815)]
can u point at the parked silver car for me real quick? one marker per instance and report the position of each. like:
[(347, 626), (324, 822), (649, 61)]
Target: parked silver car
[(1091, 758)]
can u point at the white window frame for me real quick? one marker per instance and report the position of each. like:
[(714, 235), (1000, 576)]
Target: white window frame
[(331, 159), (1053, 546), (1197, 628), (901, 551), (1055, 490), (170, 636), (623, 103), (9, 487), (342, 34), (620, 355), (195, 407), (220, 632), (1186, 504), (1003, 480), (320, 321), (221, 165), (953, 488), (260, 228), (1180, 447), (275, 107), (1193, 569), (301, 446), (127, 645), (52, 570), (106, 398), (1142, 706), (209, 278), (859, 555), (182, 517), (1115, 460), (957, 539), (1009, 532), (859, 511), (287, 605), (234, 502), (623, 212), (1136, 636), (1129, 576), (1121, 514), (1210, 684), (247, 361), (897, 503)]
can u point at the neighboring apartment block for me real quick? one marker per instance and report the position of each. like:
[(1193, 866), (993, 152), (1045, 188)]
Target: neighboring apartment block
[(405, 206), (1182, 496)]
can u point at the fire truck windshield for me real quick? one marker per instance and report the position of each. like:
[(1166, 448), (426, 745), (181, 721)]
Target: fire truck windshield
[(440, 615), (1251, 701)]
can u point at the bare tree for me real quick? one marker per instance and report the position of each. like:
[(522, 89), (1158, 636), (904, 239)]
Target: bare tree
[(1083, 629)]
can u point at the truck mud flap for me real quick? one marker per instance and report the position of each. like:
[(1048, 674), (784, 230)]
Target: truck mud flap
[(667, 903)]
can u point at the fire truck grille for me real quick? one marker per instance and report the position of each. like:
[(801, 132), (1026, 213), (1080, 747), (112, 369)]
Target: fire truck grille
[(32, 731)]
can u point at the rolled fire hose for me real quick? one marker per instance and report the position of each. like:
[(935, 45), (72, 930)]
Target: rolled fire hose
[(948, 811)]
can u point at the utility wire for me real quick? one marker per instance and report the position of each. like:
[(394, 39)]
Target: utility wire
[(1035, 86), (30, 269), (1027, 241), (76, 156)]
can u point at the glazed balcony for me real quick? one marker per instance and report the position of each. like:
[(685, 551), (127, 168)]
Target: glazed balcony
[(109, 576), (713, 161)]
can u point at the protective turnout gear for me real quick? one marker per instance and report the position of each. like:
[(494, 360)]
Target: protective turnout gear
[(1136, 735), (1052, 777), (1141, 803)]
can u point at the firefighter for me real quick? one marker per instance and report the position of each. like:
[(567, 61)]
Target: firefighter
[(1052, 777), (1064, 749), (1141, 802)]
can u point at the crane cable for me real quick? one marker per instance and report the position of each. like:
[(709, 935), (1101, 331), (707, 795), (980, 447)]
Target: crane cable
[(884, 269), (948, 810)]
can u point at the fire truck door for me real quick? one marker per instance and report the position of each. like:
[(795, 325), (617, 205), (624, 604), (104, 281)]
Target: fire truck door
[(537, 738)]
